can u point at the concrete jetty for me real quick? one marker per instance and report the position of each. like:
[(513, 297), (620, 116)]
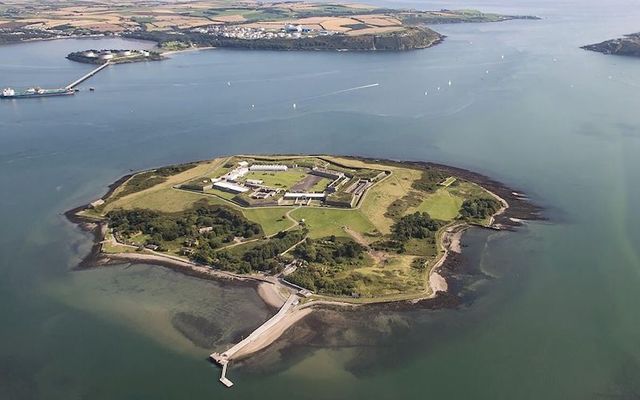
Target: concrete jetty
[(223, 359), (87, 76)]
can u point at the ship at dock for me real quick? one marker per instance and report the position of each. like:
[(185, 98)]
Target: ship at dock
[(9, 93)]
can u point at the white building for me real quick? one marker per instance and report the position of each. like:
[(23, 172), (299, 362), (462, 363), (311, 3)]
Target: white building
[(206, 229), (293, 28), (236, 174), (243, 164), (97, 203), (230, 187), (268, 167)]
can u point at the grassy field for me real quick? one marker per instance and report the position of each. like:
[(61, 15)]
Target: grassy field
[(152, 199), (282, 180), (442, 205), (380, 196), (165, 200), (273, 220), (324, 222)]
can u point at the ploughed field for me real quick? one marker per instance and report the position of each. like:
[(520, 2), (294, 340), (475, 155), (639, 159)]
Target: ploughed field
[(339, 227)]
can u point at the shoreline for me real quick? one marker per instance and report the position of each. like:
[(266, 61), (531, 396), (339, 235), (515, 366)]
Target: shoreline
[(188, 50), (445, 293)]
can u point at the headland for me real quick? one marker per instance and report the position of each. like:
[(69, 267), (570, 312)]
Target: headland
[(629, 45)]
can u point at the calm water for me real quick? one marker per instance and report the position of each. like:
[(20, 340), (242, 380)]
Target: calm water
[(557, 320)]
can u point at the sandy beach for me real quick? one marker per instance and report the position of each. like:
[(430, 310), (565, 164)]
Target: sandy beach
[(274, 333), (270, 295)]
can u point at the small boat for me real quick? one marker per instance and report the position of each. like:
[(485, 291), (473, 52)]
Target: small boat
[(91, 89)]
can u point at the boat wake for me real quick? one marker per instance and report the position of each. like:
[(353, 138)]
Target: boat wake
[(352, 89), (341, 91)]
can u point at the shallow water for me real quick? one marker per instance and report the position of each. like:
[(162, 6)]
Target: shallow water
[(557, 320)]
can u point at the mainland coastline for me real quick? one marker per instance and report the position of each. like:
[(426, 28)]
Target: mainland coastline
[(293, 25), (445, 286)]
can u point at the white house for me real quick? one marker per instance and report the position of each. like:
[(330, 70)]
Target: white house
[(268, 167)]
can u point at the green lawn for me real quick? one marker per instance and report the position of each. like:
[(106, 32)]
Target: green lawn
[(324, 222), (442, 205), (279, 179), (272, 220)]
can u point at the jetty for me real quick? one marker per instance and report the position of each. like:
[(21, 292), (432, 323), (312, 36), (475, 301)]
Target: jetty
[(86, 76), (225, 357)]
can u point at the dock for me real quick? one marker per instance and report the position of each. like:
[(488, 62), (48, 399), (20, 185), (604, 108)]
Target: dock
[(223, 376), (87, 76), (224, 358)]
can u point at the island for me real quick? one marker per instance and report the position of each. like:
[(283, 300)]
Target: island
[(629, 45), (308, 230), (290, 25), (114, 56)]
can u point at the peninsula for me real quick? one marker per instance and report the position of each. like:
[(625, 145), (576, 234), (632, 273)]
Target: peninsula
[(291, 25), (308, 231), (629, 45)]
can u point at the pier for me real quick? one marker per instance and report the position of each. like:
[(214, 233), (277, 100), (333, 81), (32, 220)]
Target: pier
[(87, 76), (224, 358)]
